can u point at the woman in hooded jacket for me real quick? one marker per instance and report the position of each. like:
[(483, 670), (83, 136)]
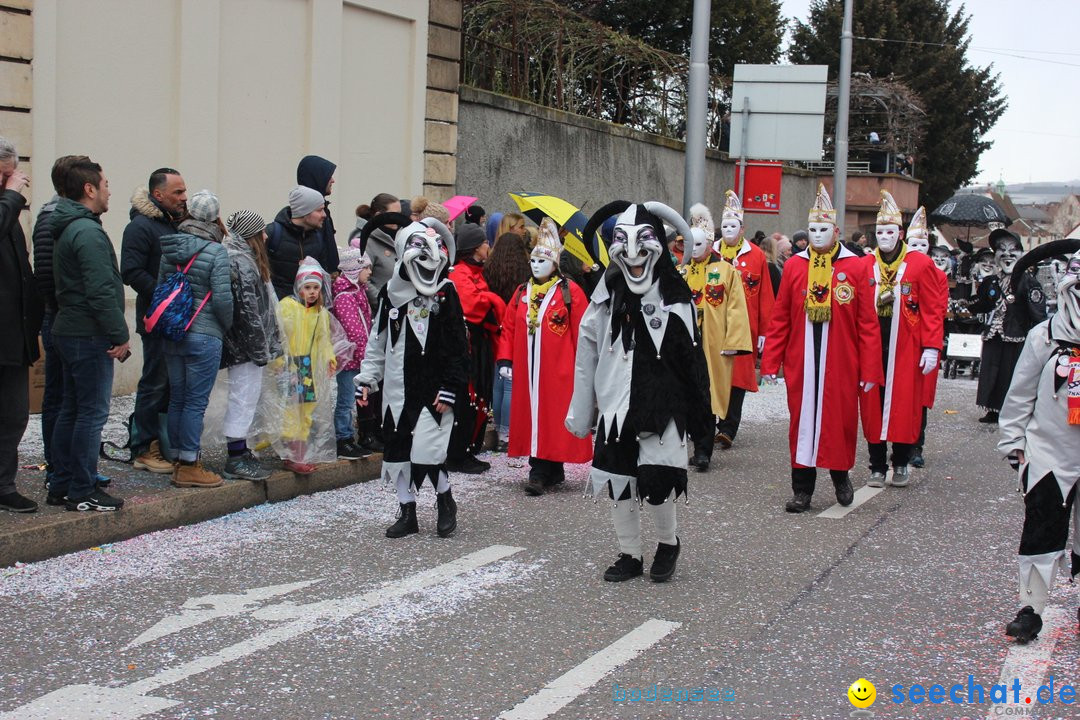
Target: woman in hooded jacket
[(253, 340)]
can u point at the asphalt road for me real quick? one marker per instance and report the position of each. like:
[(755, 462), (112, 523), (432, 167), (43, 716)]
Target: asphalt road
[(772, 615)]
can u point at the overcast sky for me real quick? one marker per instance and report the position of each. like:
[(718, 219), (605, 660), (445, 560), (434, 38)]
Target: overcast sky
[(1038, 136)]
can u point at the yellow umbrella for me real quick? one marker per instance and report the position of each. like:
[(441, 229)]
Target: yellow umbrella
[(569, 218)]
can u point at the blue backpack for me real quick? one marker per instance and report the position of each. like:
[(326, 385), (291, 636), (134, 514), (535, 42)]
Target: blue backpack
[(169, 314)]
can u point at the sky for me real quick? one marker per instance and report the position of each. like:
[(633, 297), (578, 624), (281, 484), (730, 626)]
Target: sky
[(1037, 139)]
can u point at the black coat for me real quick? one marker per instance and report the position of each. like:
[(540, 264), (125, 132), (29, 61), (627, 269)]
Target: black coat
[(315, 172), (1026, 309), (43, 255), (140, 251), (20, 303), (286, 245)]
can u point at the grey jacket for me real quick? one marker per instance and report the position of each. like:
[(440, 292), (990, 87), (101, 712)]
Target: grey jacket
[(209, 272), (380, 250)]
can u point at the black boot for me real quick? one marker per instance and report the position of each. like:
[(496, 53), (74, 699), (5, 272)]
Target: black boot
[(916, 460), (663, 564), (447, 522), (556, 476), (1025, 626), (535, 485), (627, 567), (798, 504), (406, 522), (845, 494), (991, 417)]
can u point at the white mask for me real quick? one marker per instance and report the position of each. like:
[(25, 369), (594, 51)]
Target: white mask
[(730, 230), (822, 236), (542, 269), (424, 258), (1008, 252), (942, 262), (700, 248), (888, 236), (919, 245), (635, 250), (985, 268)]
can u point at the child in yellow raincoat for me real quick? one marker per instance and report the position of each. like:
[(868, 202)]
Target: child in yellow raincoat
[(310, 364)]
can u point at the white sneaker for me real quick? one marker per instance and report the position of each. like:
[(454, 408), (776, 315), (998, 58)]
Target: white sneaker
[(900, 476), (877, 480)]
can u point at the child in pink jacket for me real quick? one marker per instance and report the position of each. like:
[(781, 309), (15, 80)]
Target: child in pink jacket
[(353, 311)]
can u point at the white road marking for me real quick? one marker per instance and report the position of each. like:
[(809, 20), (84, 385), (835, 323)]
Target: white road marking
[(561, 691), (211, 607), (131, 702), (838, 511), (1029, 663)]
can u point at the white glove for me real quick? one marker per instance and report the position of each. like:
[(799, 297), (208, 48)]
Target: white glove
[(928, 361), (573, 428), (867, 386), (506, 372), (760, 344)]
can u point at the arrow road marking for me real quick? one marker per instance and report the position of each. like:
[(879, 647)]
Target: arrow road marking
[(130, 702), (561, 691), (211, 607)]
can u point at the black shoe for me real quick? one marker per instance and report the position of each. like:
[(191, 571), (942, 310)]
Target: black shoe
[(991, 416), (554, 479), (535, 486), (700, 461), (406, 522), (97, 501), (56, 499), (370, 442), (349, 450), (1026, 626), (447, 508), (845, 495), (468, 465), (627, 567), (916, 460), (663, 564), (15, 502), (798, 504)]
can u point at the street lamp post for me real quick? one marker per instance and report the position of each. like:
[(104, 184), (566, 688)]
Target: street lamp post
[(696, 108), (843, 101)]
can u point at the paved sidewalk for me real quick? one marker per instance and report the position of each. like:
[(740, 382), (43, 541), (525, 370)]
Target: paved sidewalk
[(151, 502)]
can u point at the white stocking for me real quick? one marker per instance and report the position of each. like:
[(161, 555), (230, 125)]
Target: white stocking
[(663, 516), (627, 521), (1036, 593), (404, 489), (444, 483)]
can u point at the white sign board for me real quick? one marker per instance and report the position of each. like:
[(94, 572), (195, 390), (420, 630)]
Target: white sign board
[(787, 111)]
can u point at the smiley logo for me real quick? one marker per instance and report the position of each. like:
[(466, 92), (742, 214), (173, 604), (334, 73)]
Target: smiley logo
[(862, 693)]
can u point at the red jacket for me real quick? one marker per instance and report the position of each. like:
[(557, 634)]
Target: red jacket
[(477, 299), (753, 266), (918, 322), (825, 425)]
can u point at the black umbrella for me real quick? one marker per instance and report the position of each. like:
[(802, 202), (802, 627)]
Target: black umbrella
[(970, 211)]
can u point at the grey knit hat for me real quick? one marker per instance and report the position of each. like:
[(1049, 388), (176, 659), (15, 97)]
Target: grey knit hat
[(304, 201), (204, 206)]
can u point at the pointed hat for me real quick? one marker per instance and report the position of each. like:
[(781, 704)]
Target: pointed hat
[(823, 211), (888, 213)]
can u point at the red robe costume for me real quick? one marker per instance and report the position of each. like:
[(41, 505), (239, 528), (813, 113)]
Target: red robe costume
[(918, 322), (753, 266), (930, 381), (543, 366), (824, 410)]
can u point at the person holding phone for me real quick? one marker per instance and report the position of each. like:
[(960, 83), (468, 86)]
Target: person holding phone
[(89, 333)]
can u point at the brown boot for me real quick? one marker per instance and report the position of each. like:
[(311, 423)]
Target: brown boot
[(195, 475), (153, 460)]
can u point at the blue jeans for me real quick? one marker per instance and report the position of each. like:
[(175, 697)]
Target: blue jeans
[(345, 410), (193, 366), (501, 405), (152, 395), (53, 397), (88, 376)]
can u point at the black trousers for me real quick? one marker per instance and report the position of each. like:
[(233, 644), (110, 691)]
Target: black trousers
[(803, 479), (1046, 517), (550, 472), (922, 429), (704, 444), (730, 424), (14, 414), (879, 462)]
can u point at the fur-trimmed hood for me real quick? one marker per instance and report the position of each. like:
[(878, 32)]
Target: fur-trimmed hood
[(143, 204)]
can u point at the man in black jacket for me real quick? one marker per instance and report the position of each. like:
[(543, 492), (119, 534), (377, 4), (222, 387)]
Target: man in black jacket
[(296, 234), (155, 211), (318, 174), (43, 240), (20, 316)]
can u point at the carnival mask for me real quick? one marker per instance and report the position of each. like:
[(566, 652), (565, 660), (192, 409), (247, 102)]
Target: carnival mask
[(542, 268), (887, 237), (822, 236), (700, 249), (1007, 253), (635, 249), (985, 267), (919, 245), (942, 260), (730, 230), (425, 255)]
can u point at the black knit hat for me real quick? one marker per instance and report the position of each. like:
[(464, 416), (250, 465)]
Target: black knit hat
[(469, 237)]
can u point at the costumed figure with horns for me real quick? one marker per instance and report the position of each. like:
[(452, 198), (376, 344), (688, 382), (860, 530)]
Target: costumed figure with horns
[(418, 351), (824, 332), (911, 298), (1014, 308), (717, 290), (641, 370), (1040, 434), (539, 340)]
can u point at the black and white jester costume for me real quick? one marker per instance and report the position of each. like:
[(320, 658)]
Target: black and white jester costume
[(418, 351), (1041, 419), (640, 372)]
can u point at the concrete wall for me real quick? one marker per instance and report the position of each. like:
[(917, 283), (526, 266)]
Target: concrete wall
[(505, 144)]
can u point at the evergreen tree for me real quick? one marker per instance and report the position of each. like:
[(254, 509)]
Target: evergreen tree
[(928, 52)]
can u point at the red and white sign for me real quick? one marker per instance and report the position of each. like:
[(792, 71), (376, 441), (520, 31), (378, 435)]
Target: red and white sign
[(761, 193)]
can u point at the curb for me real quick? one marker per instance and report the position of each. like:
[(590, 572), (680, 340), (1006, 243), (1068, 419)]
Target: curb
[(53, 534)]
